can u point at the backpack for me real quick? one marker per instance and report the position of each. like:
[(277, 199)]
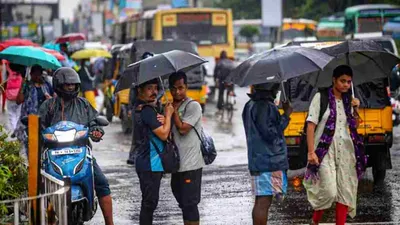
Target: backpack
[(207, 143), (303, 139), (14, 83)]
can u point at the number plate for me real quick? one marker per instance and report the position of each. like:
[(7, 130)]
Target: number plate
[(66, 151)]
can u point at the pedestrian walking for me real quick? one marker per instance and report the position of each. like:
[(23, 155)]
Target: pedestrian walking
[(13, 85), (150, 131), (88, 79), (336, 157), (221, 72), (266, 146), (32, 94), (186, 183)]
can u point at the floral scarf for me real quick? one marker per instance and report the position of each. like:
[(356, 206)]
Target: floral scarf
[(327, 138)]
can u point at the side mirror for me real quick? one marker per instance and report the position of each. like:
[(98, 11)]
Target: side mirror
[(24, 120), (101, 121)]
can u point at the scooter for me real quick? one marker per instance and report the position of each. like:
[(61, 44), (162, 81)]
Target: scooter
[(67, 153)]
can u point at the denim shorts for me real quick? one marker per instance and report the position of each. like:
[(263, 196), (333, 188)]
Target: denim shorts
[(100, 181)]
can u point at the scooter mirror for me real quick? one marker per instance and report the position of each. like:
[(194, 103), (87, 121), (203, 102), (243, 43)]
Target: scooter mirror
[(101, 121)]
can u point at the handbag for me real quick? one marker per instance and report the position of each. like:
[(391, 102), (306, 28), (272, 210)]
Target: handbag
[(170, 158)]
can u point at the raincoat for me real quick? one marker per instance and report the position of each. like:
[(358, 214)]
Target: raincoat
[(264, 126)]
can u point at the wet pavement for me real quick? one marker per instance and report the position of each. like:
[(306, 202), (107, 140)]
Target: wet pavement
[(226, 189), (226, 192)]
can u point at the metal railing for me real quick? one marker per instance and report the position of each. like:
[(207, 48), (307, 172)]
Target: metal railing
[(54, 202)]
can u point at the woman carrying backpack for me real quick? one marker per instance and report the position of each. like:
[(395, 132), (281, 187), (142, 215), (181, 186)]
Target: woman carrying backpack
[(336, 158), (13, 85)]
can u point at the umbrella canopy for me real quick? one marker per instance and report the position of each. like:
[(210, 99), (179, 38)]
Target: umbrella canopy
[(368, 60), (89, 53), (160, 65), (71, 37), (29, 56), (55, 53), (52, 46), (278, 65), (16, 42)]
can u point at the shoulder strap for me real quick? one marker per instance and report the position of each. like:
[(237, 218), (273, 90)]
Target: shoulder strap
[(184, 110), (323, 103)]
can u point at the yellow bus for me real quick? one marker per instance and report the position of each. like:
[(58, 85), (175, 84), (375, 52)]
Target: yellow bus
[(209, 28)]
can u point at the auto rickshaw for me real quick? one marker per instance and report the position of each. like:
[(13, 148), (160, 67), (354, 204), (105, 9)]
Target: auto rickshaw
[(121, 101), (375, 113)]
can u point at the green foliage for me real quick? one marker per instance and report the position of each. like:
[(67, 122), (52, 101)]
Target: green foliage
[(249, 32), (13, 172)]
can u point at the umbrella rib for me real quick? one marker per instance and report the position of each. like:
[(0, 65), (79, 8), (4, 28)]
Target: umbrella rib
[(372, 60)]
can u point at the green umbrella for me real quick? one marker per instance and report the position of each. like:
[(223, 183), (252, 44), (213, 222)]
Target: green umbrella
[(29, 56)]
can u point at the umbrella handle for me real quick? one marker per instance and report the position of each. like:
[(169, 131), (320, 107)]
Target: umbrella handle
[(283, 91), (352, 90), (163, 89)]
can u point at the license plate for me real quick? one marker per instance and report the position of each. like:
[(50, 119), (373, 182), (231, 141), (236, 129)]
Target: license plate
[(66, 151)]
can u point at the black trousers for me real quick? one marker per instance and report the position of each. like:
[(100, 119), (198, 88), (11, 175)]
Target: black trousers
[(186, 187), (150, 187)]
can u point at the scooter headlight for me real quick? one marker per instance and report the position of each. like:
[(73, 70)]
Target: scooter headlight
[(80, 134), (56, 168), (65, 136), (79, 166)]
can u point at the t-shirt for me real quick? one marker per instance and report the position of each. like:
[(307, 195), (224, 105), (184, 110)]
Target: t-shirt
[(145, 142), (189, 144)]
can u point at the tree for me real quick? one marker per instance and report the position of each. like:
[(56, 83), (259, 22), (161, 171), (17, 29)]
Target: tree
[(249, 32), (249, 9)]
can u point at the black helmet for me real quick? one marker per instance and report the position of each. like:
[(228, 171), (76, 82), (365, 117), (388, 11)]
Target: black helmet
[(66, 75)]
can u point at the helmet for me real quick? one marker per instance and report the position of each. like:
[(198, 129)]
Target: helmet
[(66, 75)]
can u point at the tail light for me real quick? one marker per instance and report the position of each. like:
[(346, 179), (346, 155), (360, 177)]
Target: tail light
[(293, 140), (376, 138)]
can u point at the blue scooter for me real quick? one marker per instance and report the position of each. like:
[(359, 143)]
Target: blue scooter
[(67, 153)]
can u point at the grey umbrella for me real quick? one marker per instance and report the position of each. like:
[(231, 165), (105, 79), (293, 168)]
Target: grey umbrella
[(278, 65), (158, 66), (368, 60)]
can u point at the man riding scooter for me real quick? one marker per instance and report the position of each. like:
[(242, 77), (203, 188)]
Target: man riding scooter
[(68, 106)]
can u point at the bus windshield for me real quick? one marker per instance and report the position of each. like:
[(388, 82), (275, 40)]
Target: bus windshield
[(196, 27)]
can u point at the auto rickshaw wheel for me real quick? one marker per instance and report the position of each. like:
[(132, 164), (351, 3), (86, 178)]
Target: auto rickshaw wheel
[(379, 175)]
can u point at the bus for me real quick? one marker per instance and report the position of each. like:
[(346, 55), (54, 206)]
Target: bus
[(330, 28), (211, 29), (368, 18)]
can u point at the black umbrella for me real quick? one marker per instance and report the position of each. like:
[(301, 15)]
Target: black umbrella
[(158, 66), (368, 60), (278, 65)]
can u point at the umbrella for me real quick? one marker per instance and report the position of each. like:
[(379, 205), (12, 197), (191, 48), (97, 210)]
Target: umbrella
[(71, 37), (16, 42), (368, 60), (52, 46), (160, 65), (89, 53), (29, 56), (54, 53), (278, 65)]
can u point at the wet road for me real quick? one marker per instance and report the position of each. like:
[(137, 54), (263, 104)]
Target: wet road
[(226, 192)]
